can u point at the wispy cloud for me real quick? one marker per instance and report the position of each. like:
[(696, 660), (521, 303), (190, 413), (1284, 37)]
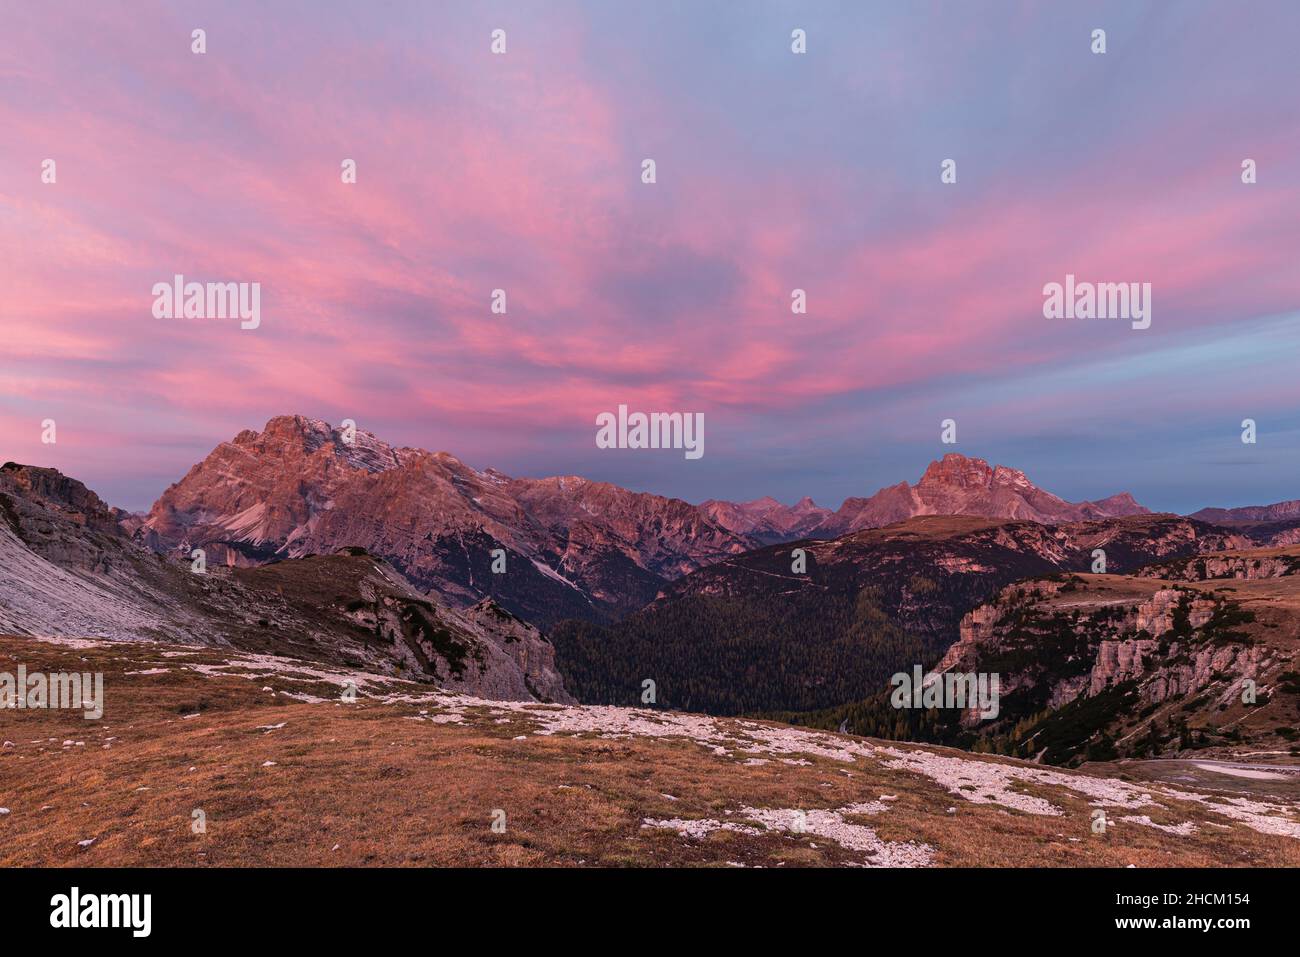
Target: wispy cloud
[(521, 172)]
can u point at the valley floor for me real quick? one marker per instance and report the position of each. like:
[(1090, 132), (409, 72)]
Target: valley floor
[(282, 772)]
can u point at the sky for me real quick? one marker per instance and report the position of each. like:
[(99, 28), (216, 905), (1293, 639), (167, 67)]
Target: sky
[(775, 171)]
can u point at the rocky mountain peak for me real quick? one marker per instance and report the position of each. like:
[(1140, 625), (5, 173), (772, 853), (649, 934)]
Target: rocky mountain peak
[(298, 435), (963, 485), (1119, 505), (282, 431), (957, 471), (302, 486)]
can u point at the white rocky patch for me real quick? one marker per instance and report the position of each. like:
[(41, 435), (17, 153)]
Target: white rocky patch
[(832, 826), (1262, 816), (990, 782), (1182, 830), (827, 824), (700, 828)]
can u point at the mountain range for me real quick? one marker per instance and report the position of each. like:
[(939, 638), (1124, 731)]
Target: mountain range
[(573, 548), (338, 550), (954, 485), (337, 547)]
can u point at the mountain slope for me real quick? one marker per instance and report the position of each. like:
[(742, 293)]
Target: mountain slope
[(1251, 514), (752, 634), (67, 568)]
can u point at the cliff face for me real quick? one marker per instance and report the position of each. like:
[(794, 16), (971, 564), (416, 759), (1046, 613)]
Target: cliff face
[(1246, 565), (1137, 660), (1161, 641), (1139, 664), (483, 651), (59, 518)]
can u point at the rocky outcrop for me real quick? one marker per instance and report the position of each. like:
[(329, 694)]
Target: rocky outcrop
[(1156, 616), (66, 564), (1140, 661), (1143, 646), (1098, 663), (1244, 566), (977, 631), (528, 648), (58, 517), (54, 491), (484, 651)]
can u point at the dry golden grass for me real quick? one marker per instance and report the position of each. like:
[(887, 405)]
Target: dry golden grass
[(364, 784)]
